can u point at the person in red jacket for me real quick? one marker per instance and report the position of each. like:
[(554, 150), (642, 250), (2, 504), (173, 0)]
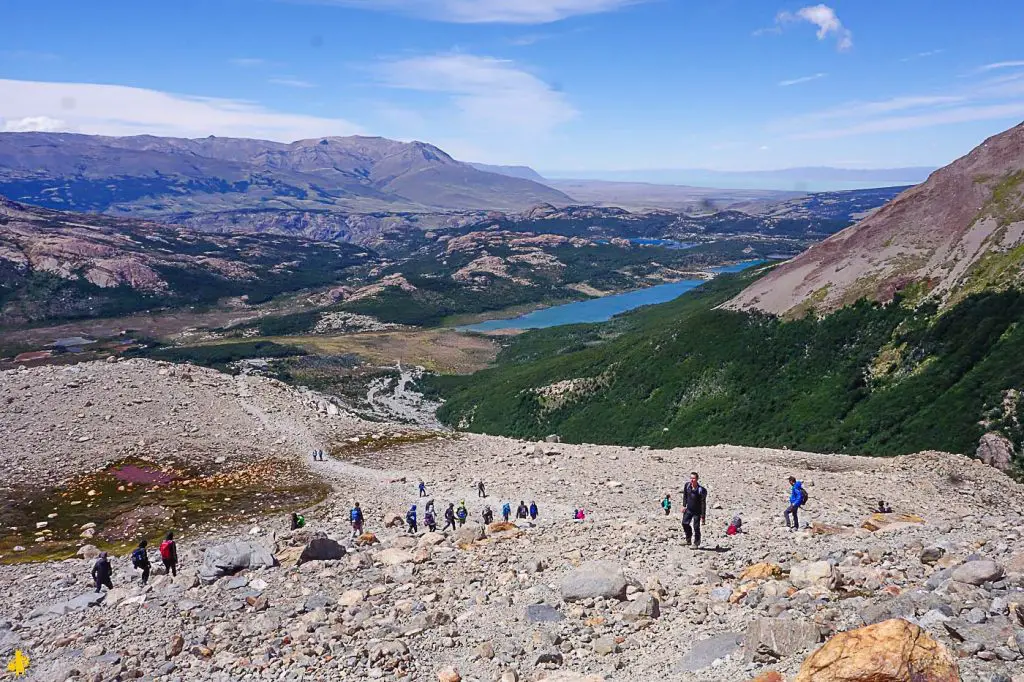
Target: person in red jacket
[(169, 554)]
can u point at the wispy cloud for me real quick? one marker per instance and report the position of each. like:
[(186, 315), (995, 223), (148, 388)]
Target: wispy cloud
[(247, 62), (486, 91), (802, 79), (990, 100), (120, 110), (922, 55), (825, 18), (291, 82), (29, 56), (490, 11), (1000, 65)]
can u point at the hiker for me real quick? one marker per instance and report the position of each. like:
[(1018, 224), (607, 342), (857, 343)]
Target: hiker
[(356, 517), (423, 489), (522, 512), (462, 514), (169, 554), (797, 499), (533, 510), (735, 527), (300, 521), (666, 504), (695, 505), (140, 560), (429, 520), (449, 517), (430, 506), (488, 515), (101, 572), (883, 508), (506, 511), (410, 518), (480, 492), (295, 521), (579, 515)]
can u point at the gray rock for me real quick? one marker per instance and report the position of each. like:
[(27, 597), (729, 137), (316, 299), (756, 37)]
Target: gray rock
[(975, 616), (978, 572), (705, 652), (721, 594), (770, 639), (79, 603), (542, 613), (317, 600), (549, 658), (321, 548), (605, 645), (930, 555), (995, 450), (645, 606), (232, 557), (594, 579)]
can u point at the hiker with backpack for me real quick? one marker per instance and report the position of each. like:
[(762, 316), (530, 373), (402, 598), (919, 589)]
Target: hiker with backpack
[(410, 518), (462, 514), (355, 516), (423, 489), (429, 520), (666, 504), (523, 511), (480, 492), (449, 517), (169, 555), (797, 499), (140, 560), (506, 511), (695, 505), (488, 515), (101, 572), (533, 510)]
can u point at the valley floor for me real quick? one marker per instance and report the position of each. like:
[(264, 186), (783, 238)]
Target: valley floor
[(420, 605)]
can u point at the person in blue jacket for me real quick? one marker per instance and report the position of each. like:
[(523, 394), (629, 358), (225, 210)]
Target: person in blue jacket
[(797, 499)]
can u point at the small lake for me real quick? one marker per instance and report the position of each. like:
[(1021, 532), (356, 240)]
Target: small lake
[(602, 309)]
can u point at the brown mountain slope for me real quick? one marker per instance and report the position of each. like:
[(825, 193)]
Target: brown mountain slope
[(959, 232)]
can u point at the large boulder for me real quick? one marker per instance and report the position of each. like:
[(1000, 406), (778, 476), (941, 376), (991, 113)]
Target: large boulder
[(706, 653), (468, 534), (807, 573), (891, 522), (995, 450), (645, 606), (594, 579), (771, 639), (321, 548), (891, 651), (232, 557), (762, 571), (978, 572), (392, 556)]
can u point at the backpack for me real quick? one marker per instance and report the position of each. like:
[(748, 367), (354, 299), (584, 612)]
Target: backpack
[(356, 515), (302, 521), (803, 496), (462, 513), (165, 549), (139, 558)]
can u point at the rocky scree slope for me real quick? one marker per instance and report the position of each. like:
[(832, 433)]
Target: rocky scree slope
[(960, 232), (156, 176), (617, 597), (56, 264)]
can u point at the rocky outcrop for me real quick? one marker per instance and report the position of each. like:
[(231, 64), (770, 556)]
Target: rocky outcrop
[(996, 450), (891, 651)]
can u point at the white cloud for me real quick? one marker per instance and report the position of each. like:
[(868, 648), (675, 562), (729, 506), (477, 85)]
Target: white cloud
[(489, 93), (891, 124), (1001, 65), (802, 79), (827, 21), (292, 82), (33, 124), (490, 11), (922, 55), (247, 62), (119, 110)]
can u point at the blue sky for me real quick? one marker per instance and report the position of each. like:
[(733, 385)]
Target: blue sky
[(584, 85)]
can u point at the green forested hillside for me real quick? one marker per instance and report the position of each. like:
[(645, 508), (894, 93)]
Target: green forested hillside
[(867, 379)]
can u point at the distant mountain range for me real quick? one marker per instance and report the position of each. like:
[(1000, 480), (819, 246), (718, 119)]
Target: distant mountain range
[(959, 233), (522, 172), (816, 179), (158, 176)]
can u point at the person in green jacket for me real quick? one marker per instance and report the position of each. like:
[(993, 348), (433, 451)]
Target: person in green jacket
[(666, 504)]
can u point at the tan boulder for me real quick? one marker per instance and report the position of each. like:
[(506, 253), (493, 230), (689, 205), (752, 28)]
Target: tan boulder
[(393, 557), (770, 676), (367, 539), (891, 651), (879, 522), (449, 675), (761, 571)]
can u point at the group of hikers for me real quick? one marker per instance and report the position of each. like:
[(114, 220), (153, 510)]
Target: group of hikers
[(319, 456), (102, 571), (695, 505), (456, 517)]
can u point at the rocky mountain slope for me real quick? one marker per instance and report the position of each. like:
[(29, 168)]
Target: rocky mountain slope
[(155, 176), (616, 597), (960, 232), (56, 264)]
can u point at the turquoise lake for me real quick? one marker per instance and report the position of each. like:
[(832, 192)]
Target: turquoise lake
[(601, 309)]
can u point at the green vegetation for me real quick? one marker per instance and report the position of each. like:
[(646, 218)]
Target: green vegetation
[(220, 355), (867, 379)]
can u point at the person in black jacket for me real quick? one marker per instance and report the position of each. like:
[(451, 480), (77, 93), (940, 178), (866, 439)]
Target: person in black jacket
[(695, 507), (101, 571)]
